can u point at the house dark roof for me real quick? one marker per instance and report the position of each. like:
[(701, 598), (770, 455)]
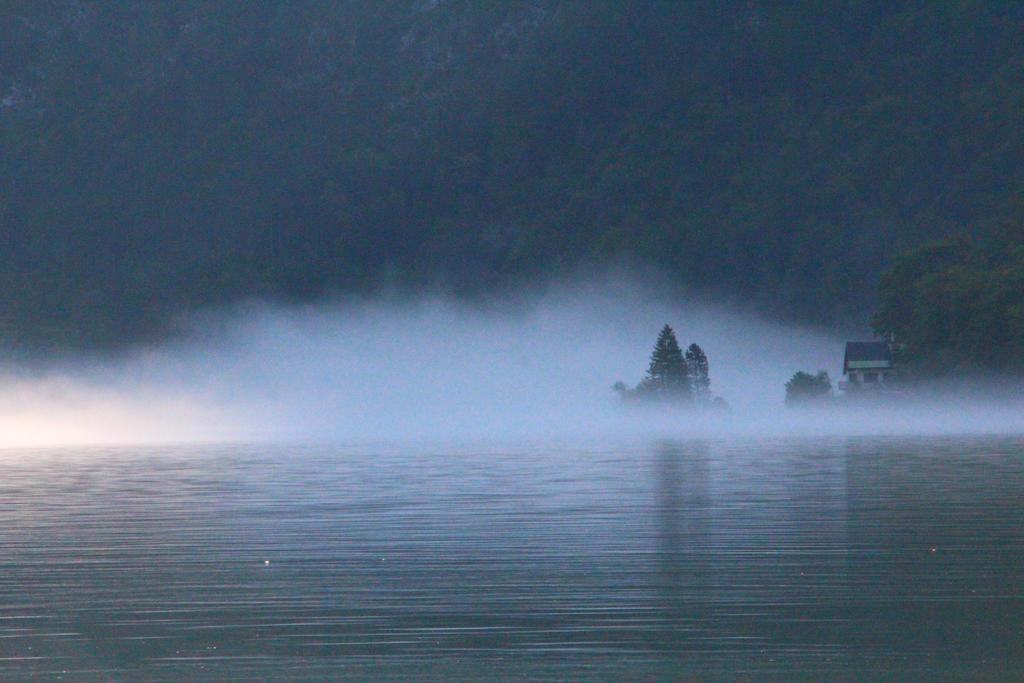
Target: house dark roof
[(866, 352)]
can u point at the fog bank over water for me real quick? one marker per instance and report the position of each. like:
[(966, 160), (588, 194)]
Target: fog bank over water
[(436, 369)]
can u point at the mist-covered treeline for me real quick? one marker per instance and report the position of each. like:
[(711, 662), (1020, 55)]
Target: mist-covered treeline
[(156, 157)]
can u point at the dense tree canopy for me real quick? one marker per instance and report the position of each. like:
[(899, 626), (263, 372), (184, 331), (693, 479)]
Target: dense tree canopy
[(161, 156), (957, 307), (805, 389)]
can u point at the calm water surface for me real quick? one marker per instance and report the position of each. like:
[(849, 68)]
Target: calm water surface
[(823, 559)]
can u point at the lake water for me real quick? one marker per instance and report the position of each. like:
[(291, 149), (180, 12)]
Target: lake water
[(822, 559)]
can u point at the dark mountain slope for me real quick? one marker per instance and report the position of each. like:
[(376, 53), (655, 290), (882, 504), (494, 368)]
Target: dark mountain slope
[(157, 157)]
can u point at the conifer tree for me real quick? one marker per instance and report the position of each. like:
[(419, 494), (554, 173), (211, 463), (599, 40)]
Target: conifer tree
[(667, 376), (697, 364)]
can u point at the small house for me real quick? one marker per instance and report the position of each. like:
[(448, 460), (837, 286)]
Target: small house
[(868, 364)]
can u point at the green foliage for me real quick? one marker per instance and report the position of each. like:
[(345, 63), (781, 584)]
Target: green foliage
[(163, 156), (807, 389), (957, 308)]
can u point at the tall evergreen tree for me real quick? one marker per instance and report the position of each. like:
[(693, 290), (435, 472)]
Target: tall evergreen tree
[(667, 375), (700, 380)]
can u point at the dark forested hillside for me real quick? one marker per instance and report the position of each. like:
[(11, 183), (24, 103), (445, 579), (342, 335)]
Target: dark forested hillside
[(156, 157), (956, 307)]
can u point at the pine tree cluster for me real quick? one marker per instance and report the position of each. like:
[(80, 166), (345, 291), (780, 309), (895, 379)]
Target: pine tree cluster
[(672, 376)]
